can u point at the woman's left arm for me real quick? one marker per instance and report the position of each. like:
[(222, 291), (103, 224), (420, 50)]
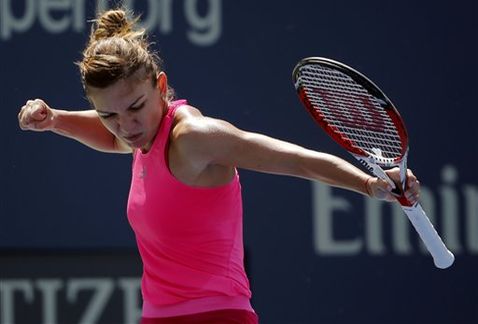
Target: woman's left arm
[(216, 141)]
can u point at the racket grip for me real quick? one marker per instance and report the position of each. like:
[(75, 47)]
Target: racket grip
[(442, 257)]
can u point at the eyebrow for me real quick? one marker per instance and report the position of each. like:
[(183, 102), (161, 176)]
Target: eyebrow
[(129, 107)]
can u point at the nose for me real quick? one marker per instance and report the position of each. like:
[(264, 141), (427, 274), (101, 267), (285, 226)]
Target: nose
[(127, 124)]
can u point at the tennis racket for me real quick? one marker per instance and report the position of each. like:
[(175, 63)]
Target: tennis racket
[(361, 119)]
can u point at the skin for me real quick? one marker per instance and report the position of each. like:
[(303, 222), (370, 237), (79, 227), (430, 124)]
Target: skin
[(203, 151)]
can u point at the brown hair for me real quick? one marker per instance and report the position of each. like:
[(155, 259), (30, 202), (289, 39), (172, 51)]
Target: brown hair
[(116, 50)]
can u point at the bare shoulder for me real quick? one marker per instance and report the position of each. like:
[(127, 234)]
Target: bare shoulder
[(195, 142), (187, 111), (191, 125), (188, 120), (189, 135), (199, 137)]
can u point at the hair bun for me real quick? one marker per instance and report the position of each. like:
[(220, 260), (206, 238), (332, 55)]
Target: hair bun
[(113, 23)]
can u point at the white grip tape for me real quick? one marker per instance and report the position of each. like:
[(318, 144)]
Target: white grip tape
[(442, 257)]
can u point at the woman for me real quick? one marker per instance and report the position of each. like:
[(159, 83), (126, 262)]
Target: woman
[(185, 203)]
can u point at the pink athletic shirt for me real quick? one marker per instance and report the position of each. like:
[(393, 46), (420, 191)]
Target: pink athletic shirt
[(189, 238)]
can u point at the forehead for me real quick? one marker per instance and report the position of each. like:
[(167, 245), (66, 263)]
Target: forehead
[(119, 95)]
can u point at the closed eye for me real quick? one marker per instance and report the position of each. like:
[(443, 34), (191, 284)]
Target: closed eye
[(133, 108), (139, 107), (105, 115)]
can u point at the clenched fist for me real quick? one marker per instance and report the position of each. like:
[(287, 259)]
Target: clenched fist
[(36, 115)]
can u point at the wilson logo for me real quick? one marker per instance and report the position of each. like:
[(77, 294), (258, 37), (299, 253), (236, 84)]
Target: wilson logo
[(352, 110), (366, 165)]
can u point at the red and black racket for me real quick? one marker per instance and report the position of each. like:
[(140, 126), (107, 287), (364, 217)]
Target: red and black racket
[(360, 118)]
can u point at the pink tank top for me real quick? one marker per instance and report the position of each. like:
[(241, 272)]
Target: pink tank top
[(189, 238)]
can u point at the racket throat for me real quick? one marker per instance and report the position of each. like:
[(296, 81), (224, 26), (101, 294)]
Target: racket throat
[(375, 169), (403, 171)]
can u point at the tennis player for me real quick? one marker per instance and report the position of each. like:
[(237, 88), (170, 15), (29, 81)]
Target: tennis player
[(185, 203)]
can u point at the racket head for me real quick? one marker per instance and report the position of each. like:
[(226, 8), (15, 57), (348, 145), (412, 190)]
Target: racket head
[(352, 110)]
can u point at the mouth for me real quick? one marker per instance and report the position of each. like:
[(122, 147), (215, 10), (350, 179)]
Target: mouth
[(132, 138)]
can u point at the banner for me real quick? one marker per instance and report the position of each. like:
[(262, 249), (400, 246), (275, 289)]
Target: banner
[(73, 287)]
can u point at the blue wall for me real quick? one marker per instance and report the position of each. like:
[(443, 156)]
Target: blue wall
[(233, 60)]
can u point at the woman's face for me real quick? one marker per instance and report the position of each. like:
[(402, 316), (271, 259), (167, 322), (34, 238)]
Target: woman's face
[(132, 109)]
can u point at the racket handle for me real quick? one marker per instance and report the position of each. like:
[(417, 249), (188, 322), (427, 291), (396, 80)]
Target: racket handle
[(442, 257)]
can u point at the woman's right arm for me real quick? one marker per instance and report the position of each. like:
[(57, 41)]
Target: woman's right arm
[(84, 126)]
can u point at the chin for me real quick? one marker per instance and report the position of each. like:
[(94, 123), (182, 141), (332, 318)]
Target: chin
[(137, 144), (143, 145)]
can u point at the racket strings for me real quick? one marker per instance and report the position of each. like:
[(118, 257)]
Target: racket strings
[(351, 110)]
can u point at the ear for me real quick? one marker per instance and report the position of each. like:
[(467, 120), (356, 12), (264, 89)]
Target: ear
[(162, 83)]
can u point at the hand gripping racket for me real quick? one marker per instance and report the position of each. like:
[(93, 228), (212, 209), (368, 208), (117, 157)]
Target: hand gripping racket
[(360, 118)]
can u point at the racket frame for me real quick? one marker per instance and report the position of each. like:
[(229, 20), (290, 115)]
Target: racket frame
[(371, 88), (374, 161)]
